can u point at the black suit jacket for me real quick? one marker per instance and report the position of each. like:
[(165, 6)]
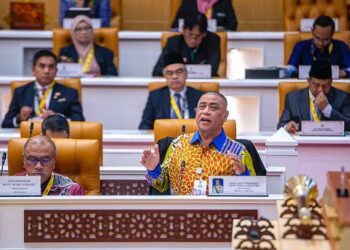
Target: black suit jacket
[(158, 105), (104, 58), (223, 12), (208, 52), (297, 107), (66, 103)]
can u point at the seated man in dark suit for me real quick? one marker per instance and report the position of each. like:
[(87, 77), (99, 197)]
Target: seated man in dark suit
[(44, 96), (196, 45), (322, 47), (319, 101), (174, 101)]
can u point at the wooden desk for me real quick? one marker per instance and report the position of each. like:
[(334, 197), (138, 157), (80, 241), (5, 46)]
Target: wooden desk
[(125, 221)]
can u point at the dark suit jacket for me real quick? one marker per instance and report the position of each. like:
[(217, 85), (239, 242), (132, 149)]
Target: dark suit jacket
[(208, 52), (297, 107), (104, 58), (223, 12), (24, 96), (158, 105)]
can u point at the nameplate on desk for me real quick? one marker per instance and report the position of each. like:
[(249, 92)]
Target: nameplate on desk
[(237, 185), (70, 70), (212, 26), (305, 69), (307, 23), (325, 128), (67, 23), (20, 186), (198, 71)]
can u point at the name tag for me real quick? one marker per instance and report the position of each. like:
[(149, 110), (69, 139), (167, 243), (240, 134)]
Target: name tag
[(305, 69), (70, 70), (307, 23), (238, 185), (212, 25), (325, 128), (20, 186), (198, 71)]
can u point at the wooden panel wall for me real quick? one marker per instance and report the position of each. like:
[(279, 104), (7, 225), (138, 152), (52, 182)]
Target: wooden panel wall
[(51, 12), (253, 15)]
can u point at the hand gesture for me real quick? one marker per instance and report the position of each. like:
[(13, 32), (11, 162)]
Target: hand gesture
[(25, 113), (237, 165), (150, 158), (321, 101), (292, 127)]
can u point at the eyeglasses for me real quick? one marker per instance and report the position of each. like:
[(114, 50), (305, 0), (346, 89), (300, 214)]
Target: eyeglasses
[(82, 29), (44, 161), (169, 73)]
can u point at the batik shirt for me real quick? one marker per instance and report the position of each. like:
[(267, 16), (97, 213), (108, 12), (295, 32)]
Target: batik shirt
[(185, 155)]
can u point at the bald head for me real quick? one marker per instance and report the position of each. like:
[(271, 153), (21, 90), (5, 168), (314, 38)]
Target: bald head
[(40, 141)]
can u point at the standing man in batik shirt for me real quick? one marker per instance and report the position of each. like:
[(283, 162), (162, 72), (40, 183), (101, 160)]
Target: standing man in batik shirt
[(207, 152), (44, 96), (39, 160)]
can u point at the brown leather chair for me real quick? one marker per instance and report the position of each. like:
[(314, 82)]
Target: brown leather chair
[(174, 6), (294, 10), (173, 128), (223, 49), (77, 159), (78, 130), (106, 37), (290, 40), (73, 83), (285, 87), (116, 14), (202, 86)]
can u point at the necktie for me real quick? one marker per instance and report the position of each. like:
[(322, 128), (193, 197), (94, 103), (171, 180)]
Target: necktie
[(177, 97), (318, 111)]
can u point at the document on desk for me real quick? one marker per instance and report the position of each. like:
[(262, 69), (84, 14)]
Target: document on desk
[(20, 186), (237, 186)]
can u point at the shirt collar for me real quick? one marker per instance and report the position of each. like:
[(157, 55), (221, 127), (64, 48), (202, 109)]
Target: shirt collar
[(218, 141), (182, 92)]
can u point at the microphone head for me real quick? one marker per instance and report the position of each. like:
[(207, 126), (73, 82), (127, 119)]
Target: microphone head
[(183, 129), (4, 157)]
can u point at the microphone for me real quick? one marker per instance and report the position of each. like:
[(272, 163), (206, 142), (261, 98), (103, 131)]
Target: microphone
[(31, 127), (3, 162), (181, 176), (183, 129)]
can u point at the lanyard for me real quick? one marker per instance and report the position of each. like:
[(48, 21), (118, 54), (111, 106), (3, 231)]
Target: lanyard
[(175, 107), (42, 103), (209, 13), (88, 60), (315, 117), (330, 50), (49, 185)]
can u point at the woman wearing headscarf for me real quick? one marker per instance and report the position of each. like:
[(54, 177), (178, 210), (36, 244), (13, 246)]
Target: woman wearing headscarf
[(221, 10), (100, 9), (96, 60)]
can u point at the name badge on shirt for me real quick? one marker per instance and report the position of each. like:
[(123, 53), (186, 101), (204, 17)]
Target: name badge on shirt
[(200, 187)]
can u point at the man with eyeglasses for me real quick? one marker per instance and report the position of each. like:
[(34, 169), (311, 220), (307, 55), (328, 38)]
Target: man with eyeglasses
[(196, 45), (176, 100), (322, 47), (39, 160)]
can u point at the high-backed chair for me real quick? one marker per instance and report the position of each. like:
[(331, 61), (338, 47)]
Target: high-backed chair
[(294, 10), (173, 128), (285, 87), (174, 6), (116, 14), (223, 49), (291, 39), (78, 130), (68, 82), (202, 86), (106, 37), (77, 159)]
